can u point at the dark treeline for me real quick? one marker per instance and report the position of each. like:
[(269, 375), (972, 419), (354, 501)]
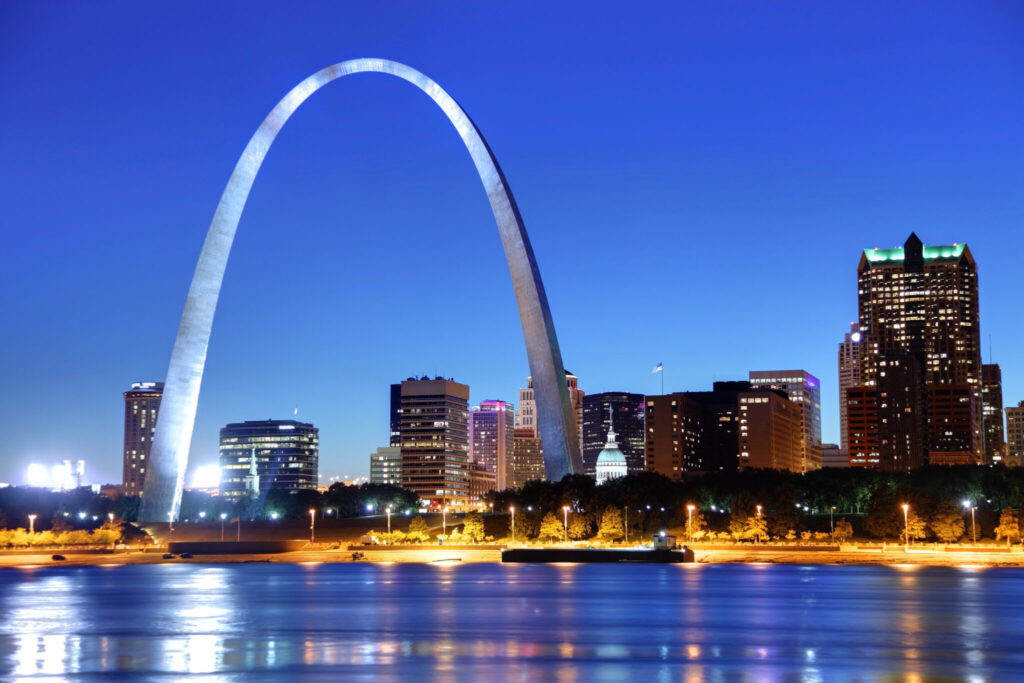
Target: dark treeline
[(871, 500), (82, 509)]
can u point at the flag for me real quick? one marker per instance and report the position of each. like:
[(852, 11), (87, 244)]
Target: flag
[(657, 368), (236, 520)]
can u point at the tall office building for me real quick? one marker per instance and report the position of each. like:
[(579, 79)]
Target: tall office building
[(286, 455), (804, 389), (918, 317), (526, 413), (395, 413), (627, 421), (832, 456), (1015, 435), (141, 406), (491, 434), (992, 412), (862, 426), (386, 466), (849, 376), (733, 426), (527, 459), (435, 440)]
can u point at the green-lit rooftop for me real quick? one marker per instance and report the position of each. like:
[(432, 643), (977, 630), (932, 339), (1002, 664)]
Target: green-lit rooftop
[(947, 252)]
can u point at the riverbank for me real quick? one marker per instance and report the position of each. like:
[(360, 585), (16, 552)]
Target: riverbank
[(454, 554)]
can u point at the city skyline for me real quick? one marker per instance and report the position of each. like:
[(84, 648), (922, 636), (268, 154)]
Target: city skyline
[(748, 167)]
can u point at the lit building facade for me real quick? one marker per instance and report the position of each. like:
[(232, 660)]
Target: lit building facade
[(386, 466), (611, 461), (491, 434), (771, 432), (285, 452), (992, 413), (526, 413), (849, 376), (675, 442), (918, 313), (141, 407), (527, 462), (1015, 435), (626, 420), (435, 440), (481, 482), (803, 389), (862, 426)]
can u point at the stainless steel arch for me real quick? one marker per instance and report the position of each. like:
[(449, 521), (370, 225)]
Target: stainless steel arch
[(168, 459)]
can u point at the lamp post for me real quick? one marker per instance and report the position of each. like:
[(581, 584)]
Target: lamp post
[(757, 539), (626, 525), (32, 524), (312, 525), (974, 530), (444, 521), (689, 523), (512, 511), (389, 518), (565, 521), (831, 522), (222, 516), (906, 529), (170, 523)]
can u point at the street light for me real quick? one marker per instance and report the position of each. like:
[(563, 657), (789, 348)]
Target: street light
[(389, 519), (223, 515), (312, 524), (512, 510), (831, 523), (906, 529), (974, 530), (689, 522), (202, 514), (758, 510), (170, 522), (32, 523), (757, 539), (444, 521), (626, 525), (110, 516), (565, 515)]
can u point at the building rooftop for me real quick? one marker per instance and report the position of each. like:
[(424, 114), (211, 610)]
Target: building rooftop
[(949, 252)]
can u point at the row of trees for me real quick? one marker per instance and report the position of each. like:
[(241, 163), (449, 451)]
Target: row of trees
[(62, 535)]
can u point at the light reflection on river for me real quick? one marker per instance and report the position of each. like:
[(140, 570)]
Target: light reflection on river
[(524, 622)]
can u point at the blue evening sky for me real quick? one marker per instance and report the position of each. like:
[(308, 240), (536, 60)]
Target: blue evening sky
[(697, 178)]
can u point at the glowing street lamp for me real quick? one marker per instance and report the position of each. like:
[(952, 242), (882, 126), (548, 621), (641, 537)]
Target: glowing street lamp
[(312, 525), (831, 523), (565, 521), (389, 519), (759, 510), (512, 510), (689, 522), (110, 516), (444, 521), (273, 516), (202, 514), (906, 529), (974, 530), (32, 524), (223, 516)]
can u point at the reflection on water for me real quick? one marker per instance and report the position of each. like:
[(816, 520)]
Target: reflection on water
[(563, 622)]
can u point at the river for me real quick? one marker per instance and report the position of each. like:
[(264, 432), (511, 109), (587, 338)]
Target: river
[(479, 622)]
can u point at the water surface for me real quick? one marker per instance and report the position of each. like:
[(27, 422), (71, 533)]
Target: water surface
[(520, 622)]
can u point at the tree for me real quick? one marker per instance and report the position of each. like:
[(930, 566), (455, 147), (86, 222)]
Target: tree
[(885, 517), (551, 529), (473, 528), (610, 529), (756, 528), (843, 530), (419, 532), (579, 527), (914, 527), (1009, 526), (946, 521), (694, 523)]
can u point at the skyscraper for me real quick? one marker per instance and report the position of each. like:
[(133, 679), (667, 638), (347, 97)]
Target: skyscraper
[(435, 440), (1015, 435), (849, 376), (526, 414), (527, 459), (804, 389), (772, 432), (627, 421), (286, 453), (992, 412), (832, 456), (918, 317), (491, 434), (396, 415), (141, 407)]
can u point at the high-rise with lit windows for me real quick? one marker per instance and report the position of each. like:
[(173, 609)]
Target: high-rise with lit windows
[(435, 440), (286, 454), (849, 376), (803, 389), (386, 466), (992, 412), (526, 413), (527, 459), (1015, 435), (141, 406), (918, 317), (491, 434), (626, 419)]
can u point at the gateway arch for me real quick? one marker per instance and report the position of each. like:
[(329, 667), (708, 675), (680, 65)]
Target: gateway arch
[(165, 476)]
